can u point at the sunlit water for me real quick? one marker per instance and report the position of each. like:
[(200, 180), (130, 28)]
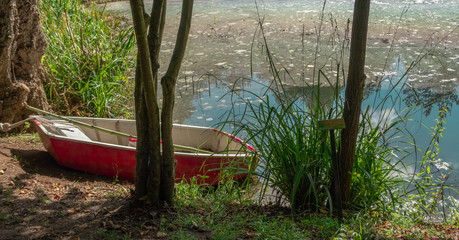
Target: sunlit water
[(225, 44)]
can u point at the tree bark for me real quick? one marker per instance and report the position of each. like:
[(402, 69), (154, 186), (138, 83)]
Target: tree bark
[(156, 183), (353, 95), (155, 35), (154, 43), (22, 45), (168, 83), (146, 98), (142, 152)]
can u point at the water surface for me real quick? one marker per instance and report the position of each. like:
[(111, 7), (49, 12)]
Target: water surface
[(227, 50)]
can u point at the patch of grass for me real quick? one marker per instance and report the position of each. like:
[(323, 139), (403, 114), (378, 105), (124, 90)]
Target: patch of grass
[(116, 191), (88, 59), (63, 213), (23, 135), (111, 235), (30, 137), (397, 226), (320, 226), (181, 234), (202, 210), (230, 227), (277, 228), (4, 216)]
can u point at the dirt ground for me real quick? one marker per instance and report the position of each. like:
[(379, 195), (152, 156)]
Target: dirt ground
[(41, 200)]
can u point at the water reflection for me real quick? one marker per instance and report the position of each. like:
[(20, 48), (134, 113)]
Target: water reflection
[(227, 53), (445, 96), (225, 39), (312, 95)]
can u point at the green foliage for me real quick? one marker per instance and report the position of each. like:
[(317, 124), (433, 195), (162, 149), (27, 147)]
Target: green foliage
[(201, 210), (295, 155), (292, 151), (277, 228), (88, 59), (428, 196), (377, 165), (195, 195)]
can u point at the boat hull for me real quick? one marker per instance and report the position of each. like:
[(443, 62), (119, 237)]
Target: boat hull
[(119, 161)]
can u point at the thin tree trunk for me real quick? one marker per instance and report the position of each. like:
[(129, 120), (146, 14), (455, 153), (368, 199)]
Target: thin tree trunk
[(150, 94), (154, 43), (142, 152), (148, 99), (155, 35), (168, 83), (353, 95)]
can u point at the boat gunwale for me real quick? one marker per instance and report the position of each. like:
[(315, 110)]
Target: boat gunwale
[(244, 152)]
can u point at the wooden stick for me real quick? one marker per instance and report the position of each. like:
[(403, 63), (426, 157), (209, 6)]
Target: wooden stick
[(181, 147)]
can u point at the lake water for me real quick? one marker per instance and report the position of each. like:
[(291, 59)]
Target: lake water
[(225, 43)]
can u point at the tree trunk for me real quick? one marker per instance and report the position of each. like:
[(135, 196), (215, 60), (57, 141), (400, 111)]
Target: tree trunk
[(142, 152), (353, 95), (156, 184), (154, 43), (148, 155), (168, 85), (22, 45)]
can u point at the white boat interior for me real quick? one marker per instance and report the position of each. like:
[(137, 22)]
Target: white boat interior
[(204, 138)]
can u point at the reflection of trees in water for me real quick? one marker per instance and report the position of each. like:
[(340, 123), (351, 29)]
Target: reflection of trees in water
[(424, 84), (309, 95), (192, 87), (432, 84), (427, 98)]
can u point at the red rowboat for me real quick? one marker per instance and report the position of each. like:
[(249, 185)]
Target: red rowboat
[(91, 150)]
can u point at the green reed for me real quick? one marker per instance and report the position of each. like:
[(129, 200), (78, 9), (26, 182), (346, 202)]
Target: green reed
[(88, 59), (295, 156)]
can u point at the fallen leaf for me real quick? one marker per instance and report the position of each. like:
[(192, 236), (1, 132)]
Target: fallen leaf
[(116, 210), (125, 229), (195, 224), (161, 234), (252, 234), (110, 224)]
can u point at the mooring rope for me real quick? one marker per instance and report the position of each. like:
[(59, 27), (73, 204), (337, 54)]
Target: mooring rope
[(6, 127)]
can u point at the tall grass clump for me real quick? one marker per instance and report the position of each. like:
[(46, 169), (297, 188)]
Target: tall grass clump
[(88, 59), (295, 155)]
